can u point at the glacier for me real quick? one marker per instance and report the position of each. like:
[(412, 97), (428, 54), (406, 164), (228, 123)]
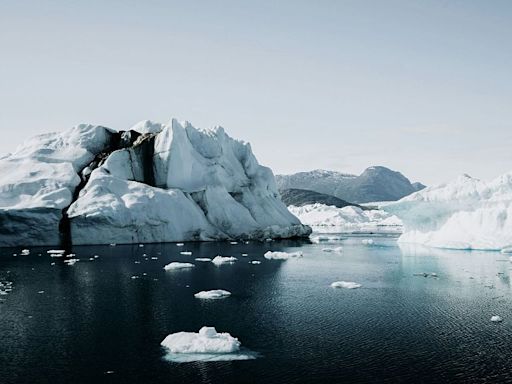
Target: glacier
[(466, 213), (350, 219), (152, 183)]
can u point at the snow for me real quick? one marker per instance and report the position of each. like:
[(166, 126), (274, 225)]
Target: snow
[(177, 265), (198, 185), (496, 319), (213, 294), (326, 218), (345, 284), (206, 345), (466, 213), (271, 255), (219, 260)]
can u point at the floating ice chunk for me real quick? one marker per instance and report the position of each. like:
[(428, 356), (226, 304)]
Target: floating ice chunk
[(218, 260), (506, 250), (56, 252), (203, 259), (233, 242), (141, 245), (336, 250), (25, 252), (187, 253), (345, 284), (255, 262), (180, 244), (496, 319), (367, 241), (245, 254), (113, 244), (177, 265), (70, 261), (271, 255), (213, 294)]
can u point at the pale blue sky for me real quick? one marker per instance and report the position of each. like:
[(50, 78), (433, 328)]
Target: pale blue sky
[(424, 87)]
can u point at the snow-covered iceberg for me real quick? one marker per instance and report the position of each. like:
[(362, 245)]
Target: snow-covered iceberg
[(206, 345), (466, 213), (153, 183), (328, 218)]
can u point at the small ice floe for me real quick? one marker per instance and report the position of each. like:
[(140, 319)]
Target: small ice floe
[(326, 238), (137, 262), (213, 294), (135, 277), (141, 245), (96, 256), (245, 254), (40, 292), (269, 240), (506, 250), (56, 252), (25, 252), (219, 260), (113, 244), (233, 242), (71, 261), (331, 250), (255, 262), (496, 319), (367, 241), (177, 265), (186, 253), (202, 259), (345, 284), (271, 255), (180, 244), (71, 255), (154, 258), (206, 345)]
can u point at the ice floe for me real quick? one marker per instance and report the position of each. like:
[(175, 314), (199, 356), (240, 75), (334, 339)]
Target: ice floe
[(213, 294), (275, 255), (346, 284), (202, 259), (186, 253), (177, 265), (219, 260), (333, 250), (496, 319), (206, 345)]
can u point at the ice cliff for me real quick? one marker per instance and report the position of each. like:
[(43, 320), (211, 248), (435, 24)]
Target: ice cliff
[(466, 213), (153, 183)]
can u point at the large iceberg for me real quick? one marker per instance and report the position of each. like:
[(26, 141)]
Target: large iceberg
[(466, 213), (153, 183), (329, 218)]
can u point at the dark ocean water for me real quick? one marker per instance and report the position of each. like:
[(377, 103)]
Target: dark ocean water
[(94, 323)]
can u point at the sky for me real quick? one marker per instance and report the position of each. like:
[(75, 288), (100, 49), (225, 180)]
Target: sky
[(423, 87)]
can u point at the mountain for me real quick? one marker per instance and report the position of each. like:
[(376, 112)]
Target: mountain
[(374, 184), (152, 183), (301, 197)]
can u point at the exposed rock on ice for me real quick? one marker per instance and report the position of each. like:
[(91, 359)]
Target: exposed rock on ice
[(177, 265), (213, 294), (207, 345), (270, 255), (154, 183), (464, 214), (325, 218), (219, 260), (345, 284)]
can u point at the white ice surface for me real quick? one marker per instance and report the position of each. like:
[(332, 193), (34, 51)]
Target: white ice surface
[(177, 265), (276, 255), (345, 284), (213, 294), (219, 260)]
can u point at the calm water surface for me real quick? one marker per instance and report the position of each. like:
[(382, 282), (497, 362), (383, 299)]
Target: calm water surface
[(94, 323)]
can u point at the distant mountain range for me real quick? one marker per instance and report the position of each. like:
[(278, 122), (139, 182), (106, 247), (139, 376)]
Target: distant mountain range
[(374, 184), (301, 197)]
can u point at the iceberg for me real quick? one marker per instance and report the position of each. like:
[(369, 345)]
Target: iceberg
[(345, 284), (177, 265), (206, 345), (329, 218), (466, 213), (270, 255), (213, 294), (152, 183)]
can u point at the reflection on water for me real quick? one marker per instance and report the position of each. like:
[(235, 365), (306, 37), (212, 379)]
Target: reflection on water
[(64, 323)]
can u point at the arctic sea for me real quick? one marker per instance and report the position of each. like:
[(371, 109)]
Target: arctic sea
[(421, 315)]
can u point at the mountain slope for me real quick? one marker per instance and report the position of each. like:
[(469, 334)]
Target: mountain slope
[(301, 197), (374, 184)]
